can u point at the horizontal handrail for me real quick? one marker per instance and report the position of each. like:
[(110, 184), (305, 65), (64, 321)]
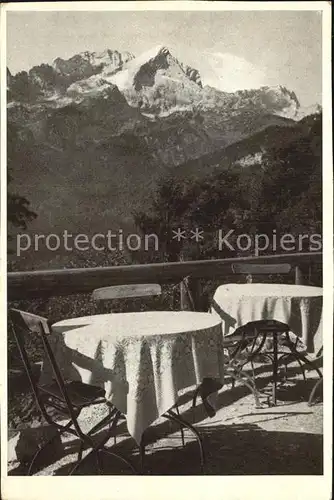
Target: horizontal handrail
[(62, 282)]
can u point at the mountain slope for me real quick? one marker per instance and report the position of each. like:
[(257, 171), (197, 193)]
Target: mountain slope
[(250, 149)]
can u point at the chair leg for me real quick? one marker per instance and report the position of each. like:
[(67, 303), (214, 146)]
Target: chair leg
[(100, 448), (142, 455), (302, 368), (315, 387), (310, 364), (248, 383), (178, 419), (284, 371), (113, 413), (284, 374), (84, 440), (110, 412), (253, 370), (196, 392), (300, 357), (80, 451), (285, 357), (119, 457), (99, 462), (58, 433), (181, 426)]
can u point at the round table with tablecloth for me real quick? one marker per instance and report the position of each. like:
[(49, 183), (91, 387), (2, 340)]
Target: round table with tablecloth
[(141, 359), (298, 306)]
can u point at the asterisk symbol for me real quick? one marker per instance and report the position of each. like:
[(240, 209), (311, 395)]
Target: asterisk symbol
[(197, 235), (179, 234)]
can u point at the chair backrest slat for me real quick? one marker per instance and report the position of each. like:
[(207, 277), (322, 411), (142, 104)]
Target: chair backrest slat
[(126, 291), (261, 268)]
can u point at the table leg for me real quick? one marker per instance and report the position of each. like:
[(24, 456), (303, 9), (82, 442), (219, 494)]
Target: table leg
[(275, 368)]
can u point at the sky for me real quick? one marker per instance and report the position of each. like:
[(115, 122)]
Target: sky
[(232, 50)]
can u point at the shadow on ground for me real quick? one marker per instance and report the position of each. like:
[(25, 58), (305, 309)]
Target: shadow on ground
[(244, 449), (232, 449)]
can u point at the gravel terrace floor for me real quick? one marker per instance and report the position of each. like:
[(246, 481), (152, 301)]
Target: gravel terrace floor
[(240, 440)]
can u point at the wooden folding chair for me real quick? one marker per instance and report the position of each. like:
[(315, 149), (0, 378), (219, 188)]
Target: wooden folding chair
[(64, 399), (101, 295)]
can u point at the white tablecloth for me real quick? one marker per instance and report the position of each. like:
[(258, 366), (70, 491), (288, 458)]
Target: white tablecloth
[(296, 305), (142, 359)]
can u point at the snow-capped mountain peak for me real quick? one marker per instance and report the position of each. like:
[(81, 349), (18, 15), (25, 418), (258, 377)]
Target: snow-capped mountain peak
[(87, 63), (155, 82), (144, 70)]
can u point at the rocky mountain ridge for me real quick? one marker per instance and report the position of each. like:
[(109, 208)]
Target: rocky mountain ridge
[(92, 135), (155, 98), (92, 61), (155, 82)]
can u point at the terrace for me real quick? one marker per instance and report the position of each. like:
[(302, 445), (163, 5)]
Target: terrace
[(239, 439)]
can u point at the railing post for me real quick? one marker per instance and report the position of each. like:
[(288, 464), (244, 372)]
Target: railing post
[(190, 294), (299, 280)]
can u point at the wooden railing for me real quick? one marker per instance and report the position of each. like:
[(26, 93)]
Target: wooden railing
[(62, 282)]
